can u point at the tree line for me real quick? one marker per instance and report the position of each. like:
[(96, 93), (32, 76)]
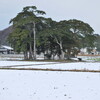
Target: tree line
[(34, 34)]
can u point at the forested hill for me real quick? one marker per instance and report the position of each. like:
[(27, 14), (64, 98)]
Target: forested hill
[(4, 34)]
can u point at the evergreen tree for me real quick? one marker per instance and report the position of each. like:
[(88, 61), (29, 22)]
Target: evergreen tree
[(26, 22)]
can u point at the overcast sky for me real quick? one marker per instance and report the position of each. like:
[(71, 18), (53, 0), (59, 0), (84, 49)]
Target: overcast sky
[(85, 10)]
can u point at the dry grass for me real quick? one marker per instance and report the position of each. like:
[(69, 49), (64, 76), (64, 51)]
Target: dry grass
[(89, 55), (63, 70)]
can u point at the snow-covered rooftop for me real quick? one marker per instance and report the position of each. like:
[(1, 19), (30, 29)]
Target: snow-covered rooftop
[(7, 47)]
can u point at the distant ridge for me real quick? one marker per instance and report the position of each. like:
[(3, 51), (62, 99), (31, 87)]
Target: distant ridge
[(4, 35)]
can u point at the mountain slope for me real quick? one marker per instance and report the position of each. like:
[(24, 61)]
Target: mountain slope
[(4, 34)]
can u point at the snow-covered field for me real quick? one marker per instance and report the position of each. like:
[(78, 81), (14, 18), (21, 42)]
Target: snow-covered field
[(51, 65), (48, 85), (45, 85)]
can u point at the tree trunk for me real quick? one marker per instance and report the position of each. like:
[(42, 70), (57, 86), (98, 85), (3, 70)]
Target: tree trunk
[(25, 55), (62, 52), (34, 31), (30, 52), (68, 53), (61, 48), (62, 55)]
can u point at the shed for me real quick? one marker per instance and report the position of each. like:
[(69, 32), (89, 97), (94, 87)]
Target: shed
[(6, 49)]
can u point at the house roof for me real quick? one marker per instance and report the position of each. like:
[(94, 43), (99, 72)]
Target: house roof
[(6, 47)]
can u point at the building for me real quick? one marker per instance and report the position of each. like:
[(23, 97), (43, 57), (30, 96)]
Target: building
[(87, 51), (6, 49)]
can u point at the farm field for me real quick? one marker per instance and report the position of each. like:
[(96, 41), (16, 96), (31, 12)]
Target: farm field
[(51, 65), (49, 85)]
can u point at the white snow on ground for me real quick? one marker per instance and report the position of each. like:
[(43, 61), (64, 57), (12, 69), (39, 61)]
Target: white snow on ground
[(11, 57), (80, 65), (48, 85), (52, 65), (13, 63), (42, 85)]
